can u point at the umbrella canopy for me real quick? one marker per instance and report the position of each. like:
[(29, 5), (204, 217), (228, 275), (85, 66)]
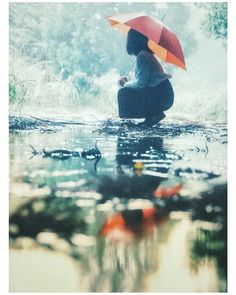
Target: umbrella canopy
[(162, 41)]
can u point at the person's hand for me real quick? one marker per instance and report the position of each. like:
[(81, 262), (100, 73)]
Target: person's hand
[(122, 80)]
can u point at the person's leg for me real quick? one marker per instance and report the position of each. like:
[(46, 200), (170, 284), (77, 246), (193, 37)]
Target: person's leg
[(123, 97), (130, 103), (160, 99), (149, 102), (167, 95)]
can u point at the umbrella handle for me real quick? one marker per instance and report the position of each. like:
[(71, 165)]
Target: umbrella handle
[(130, 68), (163, 17)]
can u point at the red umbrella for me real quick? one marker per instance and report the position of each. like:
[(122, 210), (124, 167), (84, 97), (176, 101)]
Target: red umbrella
[(162, 41)]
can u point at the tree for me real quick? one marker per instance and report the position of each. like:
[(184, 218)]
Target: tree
[(215, 24)]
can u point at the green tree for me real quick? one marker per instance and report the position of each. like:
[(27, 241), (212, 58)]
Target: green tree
[(215, 25)]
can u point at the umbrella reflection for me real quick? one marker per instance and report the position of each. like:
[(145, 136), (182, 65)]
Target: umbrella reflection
[(142, 165), (127, 224)]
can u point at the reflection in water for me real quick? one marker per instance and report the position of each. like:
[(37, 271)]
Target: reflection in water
[(108, 264), (148, 151), (210, 246), (142, 164), (52, 214), (129, 250), (210, 241), (129, 223), (135, 230), (63, 154), (40, 270)]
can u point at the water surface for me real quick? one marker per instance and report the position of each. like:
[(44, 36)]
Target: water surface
[(96, 224)]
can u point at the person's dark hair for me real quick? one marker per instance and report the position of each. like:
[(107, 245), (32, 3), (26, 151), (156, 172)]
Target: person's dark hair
[(136, 42)]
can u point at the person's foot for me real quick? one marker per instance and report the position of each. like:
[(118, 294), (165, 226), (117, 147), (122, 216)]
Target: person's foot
[(154, 120)]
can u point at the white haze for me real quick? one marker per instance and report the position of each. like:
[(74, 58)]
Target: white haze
[(200, 92)]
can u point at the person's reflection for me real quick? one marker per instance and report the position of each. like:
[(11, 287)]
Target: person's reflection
[(139, 169), (140, 155)]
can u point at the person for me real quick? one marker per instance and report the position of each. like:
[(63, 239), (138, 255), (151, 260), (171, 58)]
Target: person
[(151, 93)]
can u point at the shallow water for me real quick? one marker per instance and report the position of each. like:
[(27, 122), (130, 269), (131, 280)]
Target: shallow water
[(83, 221)]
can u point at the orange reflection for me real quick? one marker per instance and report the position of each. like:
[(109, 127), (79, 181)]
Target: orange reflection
[(165, 192), (130, 223)]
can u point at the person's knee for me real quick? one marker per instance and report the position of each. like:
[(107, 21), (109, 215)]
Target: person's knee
[(124, 94), (169, 101), (124, 91), (171, 96)]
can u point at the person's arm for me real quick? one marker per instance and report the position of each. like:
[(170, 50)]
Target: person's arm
[(143, 69)]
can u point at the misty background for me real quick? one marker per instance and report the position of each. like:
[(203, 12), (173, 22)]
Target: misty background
[(65, 59)]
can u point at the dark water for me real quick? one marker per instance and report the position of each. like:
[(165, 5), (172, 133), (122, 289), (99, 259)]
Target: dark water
[(111, 224)]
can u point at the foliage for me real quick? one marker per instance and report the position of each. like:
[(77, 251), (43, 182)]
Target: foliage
[(17, 92), (215, 25), (12, 92), (76, 37)]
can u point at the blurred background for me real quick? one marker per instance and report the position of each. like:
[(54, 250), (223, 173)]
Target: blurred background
[(66, 54)]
